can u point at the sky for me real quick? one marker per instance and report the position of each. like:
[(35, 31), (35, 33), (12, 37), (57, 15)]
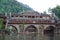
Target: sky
[(41, 5)]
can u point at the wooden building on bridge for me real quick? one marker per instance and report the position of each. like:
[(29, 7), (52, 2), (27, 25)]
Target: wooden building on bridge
[(32, 22)]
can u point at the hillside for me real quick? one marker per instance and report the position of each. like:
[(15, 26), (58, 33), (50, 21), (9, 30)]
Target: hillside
[(7, 6)]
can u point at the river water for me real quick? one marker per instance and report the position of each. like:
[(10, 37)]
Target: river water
[(32, 36)]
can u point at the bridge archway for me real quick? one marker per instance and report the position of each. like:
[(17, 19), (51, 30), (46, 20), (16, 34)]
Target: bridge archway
[(31, 28), (12, 29), (31, 32), (49, 29)]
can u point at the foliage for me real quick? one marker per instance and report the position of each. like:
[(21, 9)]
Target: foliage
[(1, 23), (7, 6), (7, 30), (55, 10), (21, 25)]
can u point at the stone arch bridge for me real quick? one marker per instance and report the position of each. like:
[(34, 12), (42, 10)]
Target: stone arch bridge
[(34, 22), (35, 27)]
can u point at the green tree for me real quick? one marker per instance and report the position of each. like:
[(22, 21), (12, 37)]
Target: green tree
[(55, 10), (13, 6), (1, 23)]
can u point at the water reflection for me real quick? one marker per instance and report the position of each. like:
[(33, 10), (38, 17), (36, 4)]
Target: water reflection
[(49, 33), (49, 36), (33, 36)]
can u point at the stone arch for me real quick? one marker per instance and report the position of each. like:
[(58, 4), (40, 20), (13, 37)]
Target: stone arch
[(31, 28), (31, 31), (13, 28), (49, 29)]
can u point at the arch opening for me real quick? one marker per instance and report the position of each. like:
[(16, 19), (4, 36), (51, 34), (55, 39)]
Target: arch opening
[(49, 30), (31, 28), (11, 29), (31, 31)]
